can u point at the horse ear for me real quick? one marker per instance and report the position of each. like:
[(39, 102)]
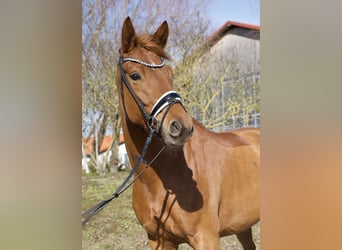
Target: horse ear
[(161, 35), (128, 35)]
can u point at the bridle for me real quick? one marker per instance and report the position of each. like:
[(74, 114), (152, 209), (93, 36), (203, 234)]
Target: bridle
[(167, 100)]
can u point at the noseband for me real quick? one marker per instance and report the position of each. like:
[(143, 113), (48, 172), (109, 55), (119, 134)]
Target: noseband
[(167, 100)]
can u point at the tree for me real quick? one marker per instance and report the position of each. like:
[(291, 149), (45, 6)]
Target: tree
[(217, 92), (101, 38), (208, 96)]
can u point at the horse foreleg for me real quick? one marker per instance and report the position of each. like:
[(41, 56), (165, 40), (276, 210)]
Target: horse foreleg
[(246, 239), (158, 244)]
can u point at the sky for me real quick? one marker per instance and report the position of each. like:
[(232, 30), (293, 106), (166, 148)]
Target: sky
[(245, 11)]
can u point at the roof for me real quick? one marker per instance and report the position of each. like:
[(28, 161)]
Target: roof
[(106, 143), (225, 28), (241, 25)]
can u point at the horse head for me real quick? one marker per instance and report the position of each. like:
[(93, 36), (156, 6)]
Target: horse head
[(145, 84)]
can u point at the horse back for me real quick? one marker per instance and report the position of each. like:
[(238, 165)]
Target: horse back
[(233, 138)]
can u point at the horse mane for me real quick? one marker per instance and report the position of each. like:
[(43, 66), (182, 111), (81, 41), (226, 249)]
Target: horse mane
[(147, 42)]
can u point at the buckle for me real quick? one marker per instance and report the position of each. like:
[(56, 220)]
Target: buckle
[(153, 123)]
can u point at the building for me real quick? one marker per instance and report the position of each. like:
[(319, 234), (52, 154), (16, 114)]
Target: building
[(230, 63), (235, 43), (104, 154)]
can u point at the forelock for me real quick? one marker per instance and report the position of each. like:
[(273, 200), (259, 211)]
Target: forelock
[(147, 42)]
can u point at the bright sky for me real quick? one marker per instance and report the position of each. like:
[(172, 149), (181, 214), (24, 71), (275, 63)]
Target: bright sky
[(245, 11)]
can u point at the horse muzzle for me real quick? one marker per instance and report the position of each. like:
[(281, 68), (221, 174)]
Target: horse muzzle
[(177, 128)]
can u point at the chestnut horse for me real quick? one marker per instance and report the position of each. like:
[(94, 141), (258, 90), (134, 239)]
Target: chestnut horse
[(195, 185)]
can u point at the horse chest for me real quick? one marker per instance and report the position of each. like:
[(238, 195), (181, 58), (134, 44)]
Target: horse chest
[(160, 214)]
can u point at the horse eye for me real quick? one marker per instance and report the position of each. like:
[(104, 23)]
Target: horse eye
[(135, 76)]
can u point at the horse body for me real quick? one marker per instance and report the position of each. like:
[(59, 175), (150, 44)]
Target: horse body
[(199, 192), (203, 185)]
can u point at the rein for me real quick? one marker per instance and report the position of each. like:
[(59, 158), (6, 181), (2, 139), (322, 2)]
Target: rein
[(91, 212), (168, 99)]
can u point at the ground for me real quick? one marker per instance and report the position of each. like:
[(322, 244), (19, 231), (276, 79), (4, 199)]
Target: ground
[(116, 227)]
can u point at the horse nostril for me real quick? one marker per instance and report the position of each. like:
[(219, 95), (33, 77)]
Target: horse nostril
[(176, 128), (192, 130)]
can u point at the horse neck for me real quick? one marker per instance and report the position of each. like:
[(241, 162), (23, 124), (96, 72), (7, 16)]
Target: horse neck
[(135, 138)]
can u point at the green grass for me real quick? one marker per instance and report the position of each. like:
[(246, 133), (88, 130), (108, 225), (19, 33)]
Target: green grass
[(116, 226)]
